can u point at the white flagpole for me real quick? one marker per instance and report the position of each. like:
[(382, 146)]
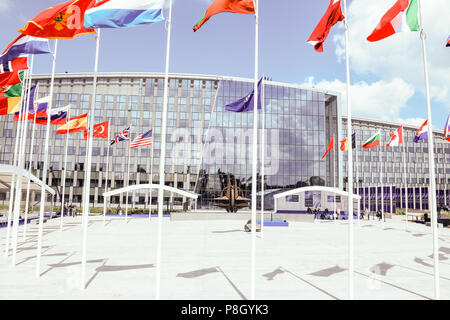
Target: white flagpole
[(87, 184), (334, 181), (162, 161), (349, 165), (13, 179), (255, 155), (18, 197), (405, 182), (44, 170), (263, 158), (64, 174), (24, 238), (381, 184), (151, 182), (431, 163), (357, 179), (128, 173), (106, 179)]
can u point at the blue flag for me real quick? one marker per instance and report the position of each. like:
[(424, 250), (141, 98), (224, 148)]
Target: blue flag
[(247, 103)]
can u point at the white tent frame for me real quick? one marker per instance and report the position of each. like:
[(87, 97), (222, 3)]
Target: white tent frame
[(5, 168)]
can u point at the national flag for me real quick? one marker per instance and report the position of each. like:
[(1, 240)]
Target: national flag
[(9, 105), (10, 78), (330, 147), (145, 139), (24, 45), (373, 141), (63, 21), (448, 42), (40, 108), (12, 91), (396, 137), (100, 131), (322, 30), (122, 136), (124, 13), (74, 124), (26, 110), (18, 64), (354, 140), (219, 6), (58, 115), (344, 144), (402, 17), (422, 133), (246, 103), (447, 129)]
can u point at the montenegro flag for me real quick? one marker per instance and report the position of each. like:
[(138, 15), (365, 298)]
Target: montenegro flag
[(75, 124), (63, 21)]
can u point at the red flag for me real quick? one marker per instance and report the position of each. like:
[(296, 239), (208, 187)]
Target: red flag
[(100, 131), (18, 64), (75, 124), (9, 79), (63, 21), (233, 6), (330, 147), (344, 144), (331, 17)]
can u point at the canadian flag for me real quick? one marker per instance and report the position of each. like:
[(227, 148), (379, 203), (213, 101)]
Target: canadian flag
[(396, 138)]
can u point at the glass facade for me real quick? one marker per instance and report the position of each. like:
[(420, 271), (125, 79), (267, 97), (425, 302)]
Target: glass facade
[(203, 139)]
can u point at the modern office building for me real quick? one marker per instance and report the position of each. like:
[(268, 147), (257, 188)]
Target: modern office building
[(208, 145)]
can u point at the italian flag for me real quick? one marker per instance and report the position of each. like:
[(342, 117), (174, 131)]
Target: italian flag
[(402, 17), (373, 141), (233, 6)]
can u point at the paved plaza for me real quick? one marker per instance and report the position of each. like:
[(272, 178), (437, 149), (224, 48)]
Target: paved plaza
[(211, 260)]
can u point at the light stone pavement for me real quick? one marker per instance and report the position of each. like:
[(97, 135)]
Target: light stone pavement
[(211, 260)]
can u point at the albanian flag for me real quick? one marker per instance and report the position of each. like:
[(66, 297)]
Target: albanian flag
[(219, 6), (331, 17), (63, 21)]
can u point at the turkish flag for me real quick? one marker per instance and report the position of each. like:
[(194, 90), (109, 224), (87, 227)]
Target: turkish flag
[(330, 147), (321, 32), (101, 130), (63, 21)]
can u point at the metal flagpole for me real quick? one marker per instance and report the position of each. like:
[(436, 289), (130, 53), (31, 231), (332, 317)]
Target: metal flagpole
[(405, 181), (128, 173), (263, 150), (106, 179), (357, 180), (349, 165), (33, 133), (18, 197), (89, 161), (15, 160), (64, 174), (255, 155), (162, 161), (334, 182), (382, 191), (431, 163), (151, 182), (44, 170)]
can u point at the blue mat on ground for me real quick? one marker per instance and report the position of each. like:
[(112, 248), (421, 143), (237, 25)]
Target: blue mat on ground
[(137, 215), (275, 223)]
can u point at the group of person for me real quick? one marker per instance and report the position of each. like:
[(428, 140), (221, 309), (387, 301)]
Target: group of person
[(70, 210), (325, 215)]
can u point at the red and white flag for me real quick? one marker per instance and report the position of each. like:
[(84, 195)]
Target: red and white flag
[(396, 138), (331, 17), (101, 130)]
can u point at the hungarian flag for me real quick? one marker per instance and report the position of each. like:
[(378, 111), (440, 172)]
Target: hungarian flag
[(74, 125), (18, 64), (402, 17), (447, 129), (330, 147), (396, 137), (373, 141), (63, 21), (344, 144), (100, 131), (219, 6), (321, 32)]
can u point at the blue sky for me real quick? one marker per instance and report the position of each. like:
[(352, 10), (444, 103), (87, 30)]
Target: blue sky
[(387, 76)]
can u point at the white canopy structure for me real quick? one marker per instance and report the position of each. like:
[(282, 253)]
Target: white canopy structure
[(151, 186), (7, 172)]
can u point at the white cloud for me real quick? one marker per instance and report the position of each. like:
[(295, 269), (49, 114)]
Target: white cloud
[(381, 100), (5, 5), (400, 55)]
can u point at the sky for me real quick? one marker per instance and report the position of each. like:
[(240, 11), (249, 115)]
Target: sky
[(387, 77)]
